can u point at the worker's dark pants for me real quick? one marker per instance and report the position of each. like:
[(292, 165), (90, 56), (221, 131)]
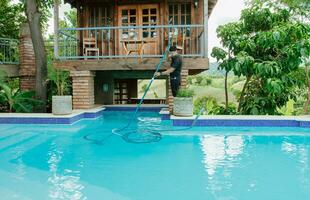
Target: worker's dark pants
[(175, 85)]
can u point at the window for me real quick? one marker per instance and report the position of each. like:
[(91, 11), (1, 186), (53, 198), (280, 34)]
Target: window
[(99, 16), (149, 18), (129, 18), (180, 14)]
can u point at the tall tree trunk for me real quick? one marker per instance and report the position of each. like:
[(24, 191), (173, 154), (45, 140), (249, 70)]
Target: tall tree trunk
[(243, 91), (33, 16), (226, 90)]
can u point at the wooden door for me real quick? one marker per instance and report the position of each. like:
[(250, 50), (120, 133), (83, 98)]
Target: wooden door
[(139, 15)]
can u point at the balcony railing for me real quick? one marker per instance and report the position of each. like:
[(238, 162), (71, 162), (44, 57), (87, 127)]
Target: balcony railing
[(129, 41), (9, 51)]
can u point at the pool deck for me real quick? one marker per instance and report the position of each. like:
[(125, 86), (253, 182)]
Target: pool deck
[(49, 118), (243, 120), (204, 120)]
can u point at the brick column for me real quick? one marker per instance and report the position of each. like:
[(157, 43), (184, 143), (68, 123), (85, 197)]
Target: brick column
[(83, 89), (27, 68), (184, 74)]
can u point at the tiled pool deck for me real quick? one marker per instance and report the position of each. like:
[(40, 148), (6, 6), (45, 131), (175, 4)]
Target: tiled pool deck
[(243, 120), (48, 118), (205, 120)]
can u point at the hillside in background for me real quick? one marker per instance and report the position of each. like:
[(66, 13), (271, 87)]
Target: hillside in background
[(209, 83)]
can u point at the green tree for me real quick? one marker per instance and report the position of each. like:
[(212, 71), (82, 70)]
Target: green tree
[(70, 19), (266, 47), (37, 13), (11, 17)]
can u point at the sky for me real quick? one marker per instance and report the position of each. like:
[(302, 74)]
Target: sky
[(225, 11)]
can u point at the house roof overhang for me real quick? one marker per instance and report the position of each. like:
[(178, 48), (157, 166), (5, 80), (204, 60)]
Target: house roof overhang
[(211, 4)]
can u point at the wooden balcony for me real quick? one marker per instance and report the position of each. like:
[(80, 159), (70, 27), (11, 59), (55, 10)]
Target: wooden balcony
[(129, 47)]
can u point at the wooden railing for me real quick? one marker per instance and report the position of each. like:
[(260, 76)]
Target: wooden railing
[(128, 41)]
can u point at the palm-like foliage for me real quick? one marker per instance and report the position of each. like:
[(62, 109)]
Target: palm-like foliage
[(61, 79), (17, 100)]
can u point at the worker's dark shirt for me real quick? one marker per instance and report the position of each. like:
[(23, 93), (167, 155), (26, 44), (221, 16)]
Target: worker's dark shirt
[(176, 63)]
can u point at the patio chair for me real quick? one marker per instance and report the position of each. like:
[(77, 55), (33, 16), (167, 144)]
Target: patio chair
[(90, 47)]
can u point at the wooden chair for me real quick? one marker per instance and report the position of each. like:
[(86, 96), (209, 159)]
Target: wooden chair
[(90, 46)]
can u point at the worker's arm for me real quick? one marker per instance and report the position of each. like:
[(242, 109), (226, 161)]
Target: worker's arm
[(167, 72)]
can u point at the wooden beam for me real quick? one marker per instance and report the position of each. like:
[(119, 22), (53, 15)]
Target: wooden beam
[(128, 64)]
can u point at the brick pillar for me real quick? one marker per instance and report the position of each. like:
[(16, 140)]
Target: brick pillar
[(83, 89), (27, 68), (184, 74)]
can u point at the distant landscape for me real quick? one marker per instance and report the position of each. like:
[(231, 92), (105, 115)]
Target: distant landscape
[(209, 83)]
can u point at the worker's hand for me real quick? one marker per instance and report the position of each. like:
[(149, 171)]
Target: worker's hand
[(157, 74)]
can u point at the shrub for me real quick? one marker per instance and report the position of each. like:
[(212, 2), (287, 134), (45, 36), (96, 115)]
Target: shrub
[(206, 81), (190, 80), (206, 103), (199, 80), (60, 81), (185, 93), (15, 100), (211, 107)]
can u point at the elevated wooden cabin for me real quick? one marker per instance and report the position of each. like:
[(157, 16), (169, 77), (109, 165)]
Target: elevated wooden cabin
[(116, 43)]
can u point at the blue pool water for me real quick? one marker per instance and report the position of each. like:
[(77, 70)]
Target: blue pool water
[(40, 162)]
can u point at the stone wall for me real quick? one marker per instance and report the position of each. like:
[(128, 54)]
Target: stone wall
[(27, 68), (83, 89)]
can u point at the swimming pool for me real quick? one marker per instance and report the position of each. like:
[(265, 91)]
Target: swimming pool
[(216, 163)]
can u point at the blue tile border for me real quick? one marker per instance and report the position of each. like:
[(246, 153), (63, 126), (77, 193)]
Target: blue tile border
[(243, 122), (165, 116), (70, 120), (132, 108), (176, 122), (50, 120)]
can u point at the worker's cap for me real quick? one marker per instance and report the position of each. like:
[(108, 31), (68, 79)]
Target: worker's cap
[(175, 48)]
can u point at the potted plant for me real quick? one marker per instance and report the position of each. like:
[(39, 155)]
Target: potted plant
[(61, 99), (183, 103)]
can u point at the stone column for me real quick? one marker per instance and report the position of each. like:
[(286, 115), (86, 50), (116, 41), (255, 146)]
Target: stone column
[(27, 68), (83, 89), (184, 74)]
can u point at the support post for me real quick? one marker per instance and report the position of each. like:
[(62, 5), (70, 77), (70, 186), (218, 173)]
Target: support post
[(206, 28), (27, 67), (56, 27), (83, 89)]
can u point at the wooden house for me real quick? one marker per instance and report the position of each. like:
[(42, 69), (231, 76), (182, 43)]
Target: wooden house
[(116, 43)]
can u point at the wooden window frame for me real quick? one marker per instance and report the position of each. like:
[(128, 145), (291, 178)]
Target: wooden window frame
[(179, 13)]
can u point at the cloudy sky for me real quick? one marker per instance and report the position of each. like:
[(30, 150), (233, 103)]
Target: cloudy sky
[(224, 11)]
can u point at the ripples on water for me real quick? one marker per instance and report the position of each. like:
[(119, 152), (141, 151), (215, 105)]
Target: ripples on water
[(54, 162)]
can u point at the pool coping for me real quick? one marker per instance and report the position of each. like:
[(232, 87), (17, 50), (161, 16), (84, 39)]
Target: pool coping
[(49, 118), (243, 120), (204, 120), (77, 115)]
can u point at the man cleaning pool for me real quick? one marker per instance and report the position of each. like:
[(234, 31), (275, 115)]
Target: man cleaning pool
[(174, 71)]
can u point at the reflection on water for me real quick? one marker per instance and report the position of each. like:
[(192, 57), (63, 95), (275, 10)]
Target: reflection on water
[(220, 152), (300, 152), (218, 148), (66, 184)]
